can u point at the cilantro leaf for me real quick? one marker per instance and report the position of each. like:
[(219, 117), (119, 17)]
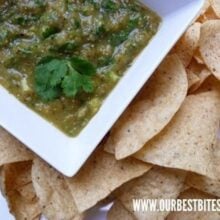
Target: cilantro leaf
[(58, 69), (47, 78), (71, 84), (75, 82), (55, 77), (83, 66), (48, 94), (87, 84)]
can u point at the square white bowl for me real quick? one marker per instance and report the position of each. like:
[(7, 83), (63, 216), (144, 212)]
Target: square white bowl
[(68, 154)]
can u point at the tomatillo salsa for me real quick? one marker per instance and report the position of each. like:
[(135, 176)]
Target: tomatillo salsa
[(62, 57)]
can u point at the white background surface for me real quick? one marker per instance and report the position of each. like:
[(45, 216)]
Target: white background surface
[(4, 213)]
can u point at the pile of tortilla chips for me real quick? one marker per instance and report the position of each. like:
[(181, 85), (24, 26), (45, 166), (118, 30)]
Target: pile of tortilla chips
[(164, 146)]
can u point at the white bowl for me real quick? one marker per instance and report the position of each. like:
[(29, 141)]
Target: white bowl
[(68, 154)]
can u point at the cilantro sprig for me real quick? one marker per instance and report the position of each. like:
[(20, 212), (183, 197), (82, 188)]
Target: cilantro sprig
[(55, 77)]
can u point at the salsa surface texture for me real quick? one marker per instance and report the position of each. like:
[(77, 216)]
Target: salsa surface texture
[(108, 34)]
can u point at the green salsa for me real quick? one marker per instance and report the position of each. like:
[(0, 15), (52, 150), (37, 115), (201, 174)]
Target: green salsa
[(62, 57)]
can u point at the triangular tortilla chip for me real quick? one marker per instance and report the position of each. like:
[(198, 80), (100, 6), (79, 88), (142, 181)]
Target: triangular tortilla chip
[(157, 104), (215, 4), (158, 183), (203, 75), (209, 46), (101, 175), (187, 45), (206, 184), (187, 142), (202, 215), (193, 80), (208, 15), (11, 149), (19, 192), (198, 57), (203, 183), (54, 195), (205, 7)]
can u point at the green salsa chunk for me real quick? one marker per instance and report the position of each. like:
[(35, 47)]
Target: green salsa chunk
[(62, 58)]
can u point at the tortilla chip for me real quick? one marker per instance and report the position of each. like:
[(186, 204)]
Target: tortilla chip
[(187, 142), (209, 46), (158, 183), (197, 75), (208, 15), (198, 57), (54, 195), (205, 7), (215, 4), (157, 104), (119, 212), (16, 175), (194, 194), (101, 175), (195, 67), (210, 84), (187, 45), (109, 145), (203, 75), (11, 149), (193, 80), (19, 192), (203, 183)]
